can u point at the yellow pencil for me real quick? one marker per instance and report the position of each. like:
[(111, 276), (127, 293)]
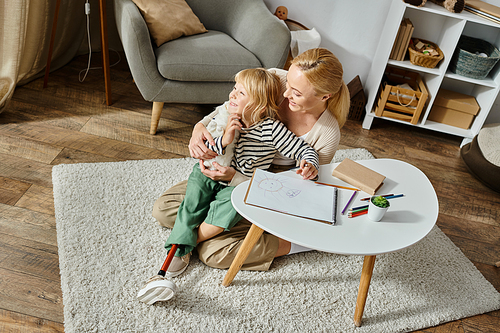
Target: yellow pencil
[(344, 187)]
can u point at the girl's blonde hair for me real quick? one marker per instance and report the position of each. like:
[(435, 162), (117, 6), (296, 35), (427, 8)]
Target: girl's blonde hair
[(263, 88), (324, 71)]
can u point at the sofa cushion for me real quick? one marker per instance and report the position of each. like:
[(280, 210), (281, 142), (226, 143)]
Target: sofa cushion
[(169, 19), (213, 56)]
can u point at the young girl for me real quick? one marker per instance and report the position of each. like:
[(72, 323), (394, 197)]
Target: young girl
[(252, 107)]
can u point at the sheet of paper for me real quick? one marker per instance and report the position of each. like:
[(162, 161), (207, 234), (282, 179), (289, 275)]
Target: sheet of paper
[(291, 196)]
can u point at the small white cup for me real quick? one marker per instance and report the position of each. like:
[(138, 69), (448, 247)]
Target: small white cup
[(375, 213)]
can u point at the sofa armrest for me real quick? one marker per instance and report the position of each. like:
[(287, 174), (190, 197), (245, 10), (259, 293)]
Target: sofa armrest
[(138, 48), (251, 24)]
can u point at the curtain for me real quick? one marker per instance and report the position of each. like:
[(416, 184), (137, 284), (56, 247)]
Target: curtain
[(25, 31)]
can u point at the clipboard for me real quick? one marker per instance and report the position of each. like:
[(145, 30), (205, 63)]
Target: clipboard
[(292, 196)]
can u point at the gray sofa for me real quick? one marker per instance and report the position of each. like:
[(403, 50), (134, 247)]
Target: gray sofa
[(201, 68)]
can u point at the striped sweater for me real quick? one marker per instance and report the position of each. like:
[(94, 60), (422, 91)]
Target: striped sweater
[(324, 136), (259, 143)]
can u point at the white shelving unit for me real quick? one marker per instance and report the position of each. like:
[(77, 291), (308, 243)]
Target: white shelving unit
[(436, 24)]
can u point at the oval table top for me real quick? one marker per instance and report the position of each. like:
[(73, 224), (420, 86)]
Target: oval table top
[(409, 218)]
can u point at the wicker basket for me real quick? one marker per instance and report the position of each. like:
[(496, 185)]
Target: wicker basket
[(467, 63), (424, 60)]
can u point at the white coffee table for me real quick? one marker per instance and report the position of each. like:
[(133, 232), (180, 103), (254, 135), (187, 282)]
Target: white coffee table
[(408, 220)]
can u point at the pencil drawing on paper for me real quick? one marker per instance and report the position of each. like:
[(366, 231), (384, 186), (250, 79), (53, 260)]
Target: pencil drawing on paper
[(290, 195), (276, 187)]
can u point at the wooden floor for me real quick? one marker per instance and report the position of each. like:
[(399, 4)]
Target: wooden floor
[(68, 122)]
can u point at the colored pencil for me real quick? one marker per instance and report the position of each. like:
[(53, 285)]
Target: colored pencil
[(395, 196), (363, 212), (354, 214), (357, 210), (344, 187), (348, 202), (359, 207), (384, 195)]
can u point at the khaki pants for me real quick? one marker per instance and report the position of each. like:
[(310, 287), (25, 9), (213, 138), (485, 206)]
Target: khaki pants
[(219, 251)]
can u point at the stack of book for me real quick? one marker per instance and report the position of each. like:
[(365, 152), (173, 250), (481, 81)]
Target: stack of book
[(402, 40), (483, 9)]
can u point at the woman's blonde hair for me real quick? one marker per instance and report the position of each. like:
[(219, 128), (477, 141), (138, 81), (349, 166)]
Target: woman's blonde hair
[(263, 88), (324, 71)]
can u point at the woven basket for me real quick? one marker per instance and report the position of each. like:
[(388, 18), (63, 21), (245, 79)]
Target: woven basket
[(424, 60), (467, 63)]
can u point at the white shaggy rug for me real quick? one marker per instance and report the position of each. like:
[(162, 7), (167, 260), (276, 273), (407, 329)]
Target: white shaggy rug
[(109, 245)]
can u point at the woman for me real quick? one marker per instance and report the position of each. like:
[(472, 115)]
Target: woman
[(315, 107)]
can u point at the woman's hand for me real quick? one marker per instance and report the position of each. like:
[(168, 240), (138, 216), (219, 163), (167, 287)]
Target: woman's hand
[(197, 147), (233, 124), (221, 173), (307, 170)]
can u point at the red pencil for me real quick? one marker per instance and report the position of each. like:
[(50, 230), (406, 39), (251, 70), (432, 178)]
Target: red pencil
[(362, 212)]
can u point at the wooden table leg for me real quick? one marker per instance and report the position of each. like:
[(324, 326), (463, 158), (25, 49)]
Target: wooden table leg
[(364, 284), (249, 242), (105, 52)]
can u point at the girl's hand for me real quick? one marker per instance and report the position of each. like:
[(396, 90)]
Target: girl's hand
[(233, 124), (307, 170), (197, 147), (221, 173)]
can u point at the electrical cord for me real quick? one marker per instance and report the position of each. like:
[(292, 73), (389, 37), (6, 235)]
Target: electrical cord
[(87, 13)]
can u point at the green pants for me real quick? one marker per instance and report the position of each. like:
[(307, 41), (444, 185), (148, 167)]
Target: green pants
[(205, 200)]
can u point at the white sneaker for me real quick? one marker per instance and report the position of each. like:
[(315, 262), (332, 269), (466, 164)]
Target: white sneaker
[(178, 265), (157, 289)]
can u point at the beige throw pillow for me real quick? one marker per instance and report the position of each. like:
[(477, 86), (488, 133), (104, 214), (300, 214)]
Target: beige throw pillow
[(169, 19)]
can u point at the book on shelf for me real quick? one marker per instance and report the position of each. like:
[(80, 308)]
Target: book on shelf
[(483, 9), (402, 40), (406, 39), (397, 55), (397, 42)]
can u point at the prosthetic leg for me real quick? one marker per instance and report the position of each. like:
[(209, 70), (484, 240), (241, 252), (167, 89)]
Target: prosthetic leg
[(158, 288)]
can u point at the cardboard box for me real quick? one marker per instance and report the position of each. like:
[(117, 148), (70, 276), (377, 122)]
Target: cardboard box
[(457, 101), (451, 117), (453, 108)]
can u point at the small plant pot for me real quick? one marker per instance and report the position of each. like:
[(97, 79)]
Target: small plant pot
[(376, 213)]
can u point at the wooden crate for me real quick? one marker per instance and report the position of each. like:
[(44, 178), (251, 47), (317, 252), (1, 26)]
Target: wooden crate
[(392, 102)]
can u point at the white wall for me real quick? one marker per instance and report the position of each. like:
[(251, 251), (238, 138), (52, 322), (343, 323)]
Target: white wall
[(350, 29)]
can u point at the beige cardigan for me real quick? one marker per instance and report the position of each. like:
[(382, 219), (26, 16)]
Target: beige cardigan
[(324, 136)]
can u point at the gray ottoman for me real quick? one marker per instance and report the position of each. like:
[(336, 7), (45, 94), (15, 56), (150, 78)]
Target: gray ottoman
[(482, 156)]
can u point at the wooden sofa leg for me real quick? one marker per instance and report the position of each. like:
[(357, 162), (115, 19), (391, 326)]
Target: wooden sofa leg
[(155, 116)]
